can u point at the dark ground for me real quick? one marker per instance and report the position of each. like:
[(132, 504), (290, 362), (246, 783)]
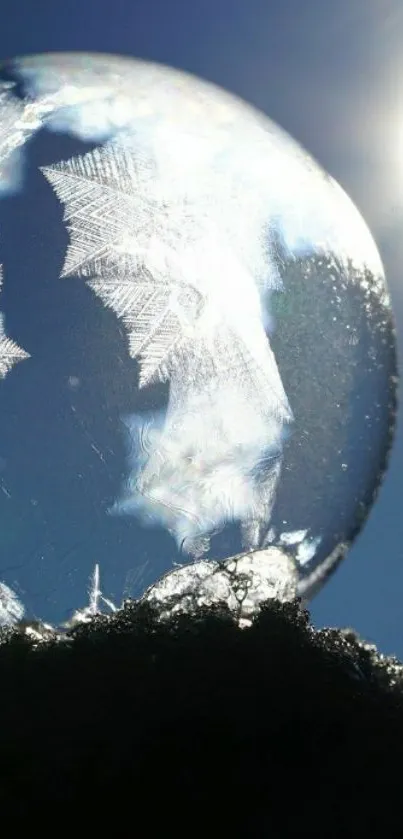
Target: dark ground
[(192, 726)]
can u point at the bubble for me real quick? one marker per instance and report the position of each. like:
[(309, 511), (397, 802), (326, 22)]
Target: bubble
[(197, 352)]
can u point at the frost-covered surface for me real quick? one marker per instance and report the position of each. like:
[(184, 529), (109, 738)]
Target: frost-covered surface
[(242, 582)]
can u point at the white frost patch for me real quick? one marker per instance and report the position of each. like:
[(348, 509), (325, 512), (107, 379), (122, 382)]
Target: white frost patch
[(18, 122), (301, 546), (243, 582), (293, 537), (11, 608), (307, 550)]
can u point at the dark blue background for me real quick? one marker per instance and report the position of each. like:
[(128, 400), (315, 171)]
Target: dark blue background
[(330, 74)]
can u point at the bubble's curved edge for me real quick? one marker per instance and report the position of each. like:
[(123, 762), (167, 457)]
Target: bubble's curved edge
[(311, 583)]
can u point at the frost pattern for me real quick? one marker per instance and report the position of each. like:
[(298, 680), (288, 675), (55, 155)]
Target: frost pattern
[(10, 352), (17, 121), (182, 263), (96, 602), (11, 609), (93, 97), (243, 582)]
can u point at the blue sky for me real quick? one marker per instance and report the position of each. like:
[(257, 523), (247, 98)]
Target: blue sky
[(332, 75)]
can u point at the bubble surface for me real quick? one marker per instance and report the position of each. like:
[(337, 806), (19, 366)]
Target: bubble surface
[(197, 353)]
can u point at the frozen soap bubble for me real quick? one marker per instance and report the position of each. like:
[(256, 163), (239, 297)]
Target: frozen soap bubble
[(196, 346)]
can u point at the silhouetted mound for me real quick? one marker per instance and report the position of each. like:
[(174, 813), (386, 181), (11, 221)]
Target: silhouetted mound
[(192, 726)]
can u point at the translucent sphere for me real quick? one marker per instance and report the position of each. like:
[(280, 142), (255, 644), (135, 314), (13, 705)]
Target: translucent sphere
[(196, 349)]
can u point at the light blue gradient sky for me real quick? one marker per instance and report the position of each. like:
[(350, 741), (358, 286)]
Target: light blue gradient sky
[(332, 75)]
